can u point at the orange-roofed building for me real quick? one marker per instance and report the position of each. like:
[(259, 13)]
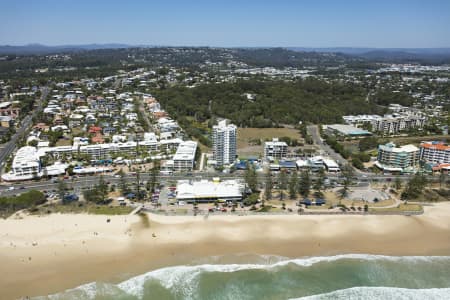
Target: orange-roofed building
[(95, 129), (41, 127), (159, 114), (98, 139), (442, 168), (149, 100), (435, 152)]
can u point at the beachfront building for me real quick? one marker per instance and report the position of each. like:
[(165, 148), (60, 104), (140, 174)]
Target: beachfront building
[(435, 152), (345, 130), (184, 158), (204, 191), (224, 143), (275, 149), (397, 159), (26, 165)]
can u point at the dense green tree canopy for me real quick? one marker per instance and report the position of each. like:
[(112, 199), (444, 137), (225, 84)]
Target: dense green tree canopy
[(276, 102)]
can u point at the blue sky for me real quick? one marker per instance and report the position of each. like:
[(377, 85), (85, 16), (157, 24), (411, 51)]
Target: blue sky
[(313, 23)]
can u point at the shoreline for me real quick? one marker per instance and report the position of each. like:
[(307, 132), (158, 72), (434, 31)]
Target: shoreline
[(43, 255)]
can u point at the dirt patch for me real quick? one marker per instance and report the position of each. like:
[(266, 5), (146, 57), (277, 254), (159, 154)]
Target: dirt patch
[(247, 138)]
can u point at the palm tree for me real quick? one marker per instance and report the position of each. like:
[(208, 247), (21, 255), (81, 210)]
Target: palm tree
[(293, 185), (397, 183), (282, 183), (441, 179), (304, 184), (268, 186)]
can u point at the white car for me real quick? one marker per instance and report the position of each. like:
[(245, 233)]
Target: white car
[(11, 188)]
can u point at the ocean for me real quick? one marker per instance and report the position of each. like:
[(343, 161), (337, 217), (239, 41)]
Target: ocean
[(351, 276)]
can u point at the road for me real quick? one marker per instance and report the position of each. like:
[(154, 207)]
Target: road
[(89, 181), (26, 123), (78, 184), (144, 114), (313, 130)]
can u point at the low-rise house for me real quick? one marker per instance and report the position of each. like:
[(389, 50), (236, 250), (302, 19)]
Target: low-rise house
[(6, 121)]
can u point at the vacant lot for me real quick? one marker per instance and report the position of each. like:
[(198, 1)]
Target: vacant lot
[(246, 138)]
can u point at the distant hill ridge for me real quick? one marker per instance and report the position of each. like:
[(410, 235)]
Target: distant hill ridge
[(427, 55)]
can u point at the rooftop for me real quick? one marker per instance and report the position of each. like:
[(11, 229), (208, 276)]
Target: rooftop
[(208, 189), (392, 148), (435, 145), (186, 151), (348, 129)]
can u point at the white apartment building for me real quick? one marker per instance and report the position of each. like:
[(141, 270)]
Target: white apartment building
[(389, 124), (224, 143), (397, 159), (26, 165), (102, 151), (184, 158), (435, 152), (275, 149)]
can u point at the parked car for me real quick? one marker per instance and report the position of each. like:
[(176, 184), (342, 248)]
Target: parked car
[(306, 202), (319, 201)]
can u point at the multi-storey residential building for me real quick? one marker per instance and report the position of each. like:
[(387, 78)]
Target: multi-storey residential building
[(224, 143), (184, 158), (275, 149), (435, 152), (392, 158), (26, 164), (389, 124), (102, 151)]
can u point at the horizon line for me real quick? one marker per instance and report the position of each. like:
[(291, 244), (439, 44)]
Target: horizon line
[(207, 46)]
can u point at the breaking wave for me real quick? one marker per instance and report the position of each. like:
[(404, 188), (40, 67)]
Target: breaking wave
[(349, 276), (372, 293)]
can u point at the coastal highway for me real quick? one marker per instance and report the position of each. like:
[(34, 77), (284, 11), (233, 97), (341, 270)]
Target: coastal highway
[(9, 147), (89, 181)]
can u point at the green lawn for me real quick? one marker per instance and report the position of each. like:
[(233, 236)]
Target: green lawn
[(400, 208), (76, 208)]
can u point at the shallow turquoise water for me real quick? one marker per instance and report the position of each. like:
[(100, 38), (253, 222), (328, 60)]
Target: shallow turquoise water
[(352, 276)]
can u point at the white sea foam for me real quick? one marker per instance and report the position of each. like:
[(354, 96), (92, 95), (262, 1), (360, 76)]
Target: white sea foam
[(382, 293), (185, 278), (85, 291)]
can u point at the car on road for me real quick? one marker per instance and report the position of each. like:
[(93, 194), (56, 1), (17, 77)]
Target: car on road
[(11, 188)]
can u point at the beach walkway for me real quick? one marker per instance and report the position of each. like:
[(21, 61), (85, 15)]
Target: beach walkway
[(136, 210)]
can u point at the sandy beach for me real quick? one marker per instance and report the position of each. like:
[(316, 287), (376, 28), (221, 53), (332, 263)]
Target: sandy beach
[(48, 254)]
